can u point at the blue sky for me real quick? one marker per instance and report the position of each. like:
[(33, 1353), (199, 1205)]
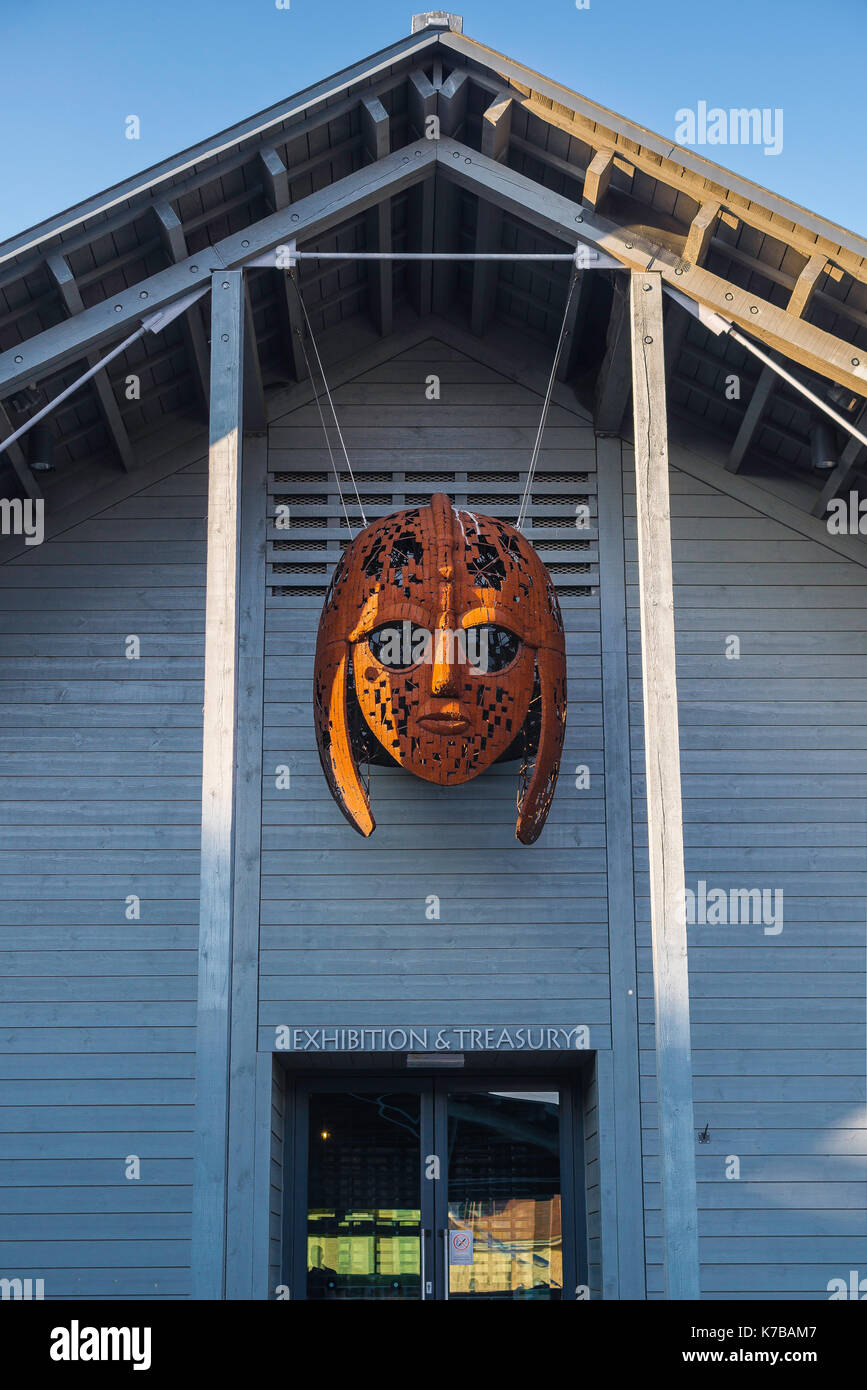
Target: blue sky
[(73, 72)]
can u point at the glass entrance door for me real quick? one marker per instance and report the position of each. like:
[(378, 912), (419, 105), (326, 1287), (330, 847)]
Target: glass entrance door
[(435, 1189), (504, 1194)]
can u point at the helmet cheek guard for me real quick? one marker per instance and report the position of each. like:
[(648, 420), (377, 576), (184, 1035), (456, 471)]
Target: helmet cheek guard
[(537, 789), (333, 737), (441, 649)]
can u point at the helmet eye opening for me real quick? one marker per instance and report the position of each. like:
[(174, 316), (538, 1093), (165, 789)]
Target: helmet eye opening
[(492, 649), (398, 646)]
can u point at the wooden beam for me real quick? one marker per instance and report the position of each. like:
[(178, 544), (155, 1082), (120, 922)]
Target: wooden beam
[(452, 103), (815, 349), (422, 215), (422, 99), (71, 296), (245, 1196), (375, 127), (806, 285), (698, 243), (486, 273), (452, 111), (192, 325), (846, 471), (255, 412), (575, 318), (276, 178), (614, 381), (17, 458), (312, 216), (684, 172), (664, 809), (625, 1108), (700, 233), (219, 788), (496, 129), (377, 138), (597, 178), (752, 418)]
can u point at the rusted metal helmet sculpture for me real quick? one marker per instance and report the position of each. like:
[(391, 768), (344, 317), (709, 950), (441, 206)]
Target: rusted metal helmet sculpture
[(441, 649)]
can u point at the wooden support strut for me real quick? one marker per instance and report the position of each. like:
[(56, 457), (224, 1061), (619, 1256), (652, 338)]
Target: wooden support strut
[(73, 303), (377, 138), (17, 458), (752, 418), (219, 756), (597, 178), (614, 381), (845, 472), (664, 809), (195, 341), (276, 178), (496, 129)]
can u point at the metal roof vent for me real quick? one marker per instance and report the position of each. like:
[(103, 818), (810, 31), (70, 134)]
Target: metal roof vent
[(437, 19)]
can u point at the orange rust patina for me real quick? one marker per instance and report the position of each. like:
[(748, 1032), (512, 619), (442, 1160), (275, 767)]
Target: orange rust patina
[(441, 648)]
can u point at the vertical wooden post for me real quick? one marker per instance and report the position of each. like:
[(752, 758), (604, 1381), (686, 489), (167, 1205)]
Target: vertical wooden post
[(664, 810), (624, 1267), (219, 740)]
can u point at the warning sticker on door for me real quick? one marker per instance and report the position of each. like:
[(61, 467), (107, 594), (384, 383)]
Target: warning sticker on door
[(460, 1247)]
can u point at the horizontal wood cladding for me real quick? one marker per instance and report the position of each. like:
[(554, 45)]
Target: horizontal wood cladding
[(772, 751), (100, 791), (521, 936)]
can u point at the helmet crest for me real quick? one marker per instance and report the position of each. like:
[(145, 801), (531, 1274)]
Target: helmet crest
[(441, 648)]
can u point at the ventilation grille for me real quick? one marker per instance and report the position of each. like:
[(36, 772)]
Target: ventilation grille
[(302, 554)]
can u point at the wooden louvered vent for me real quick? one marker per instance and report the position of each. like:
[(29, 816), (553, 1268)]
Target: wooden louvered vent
[(302, 556)]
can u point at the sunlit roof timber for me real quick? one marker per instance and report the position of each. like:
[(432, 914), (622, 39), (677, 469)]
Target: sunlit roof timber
[(559, 169)]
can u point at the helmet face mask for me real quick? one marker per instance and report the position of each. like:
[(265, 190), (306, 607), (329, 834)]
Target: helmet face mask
[(442, 625)]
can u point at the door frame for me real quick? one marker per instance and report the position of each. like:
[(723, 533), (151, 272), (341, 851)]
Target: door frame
[(433, 1087)]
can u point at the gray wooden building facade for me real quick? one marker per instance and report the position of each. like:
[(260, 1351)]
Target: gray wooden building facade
[(189, 930)]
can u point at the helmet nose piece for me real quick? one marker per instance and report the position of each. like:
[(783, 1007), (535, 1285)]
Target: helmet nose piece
[(444, 682)]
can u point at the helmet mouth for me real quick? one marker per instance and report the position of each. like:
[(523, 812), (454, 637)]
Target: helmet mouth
[(444, 723)]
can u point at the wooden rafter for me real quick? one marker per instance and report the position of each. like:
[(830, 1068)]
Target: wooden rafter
[(277, 192), (696, 247), (806, 285), (846, 471), (17, 458), (800, 299), (314, 215), (73, 303), (752, 418), (652, 154), (377, 138), (803, 342), (255, 412), (496, 130), (192, 327), (614, 382), (422, 100), (597, 178), (452, 103)]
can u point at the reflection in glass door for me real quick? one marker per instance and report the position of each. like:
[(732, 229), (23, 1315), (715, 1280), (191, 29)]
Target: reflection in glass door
[(504, 1193), (363, 1228), (432, 1189)]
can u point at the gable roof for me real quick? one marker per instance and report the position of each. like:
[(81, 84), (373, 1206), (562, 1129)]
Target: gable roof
[(676, 202)]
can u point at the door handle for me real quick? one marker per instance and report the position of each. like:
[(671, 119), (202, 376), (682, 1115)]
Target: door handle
[(426, 1288), (445, 1236)]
